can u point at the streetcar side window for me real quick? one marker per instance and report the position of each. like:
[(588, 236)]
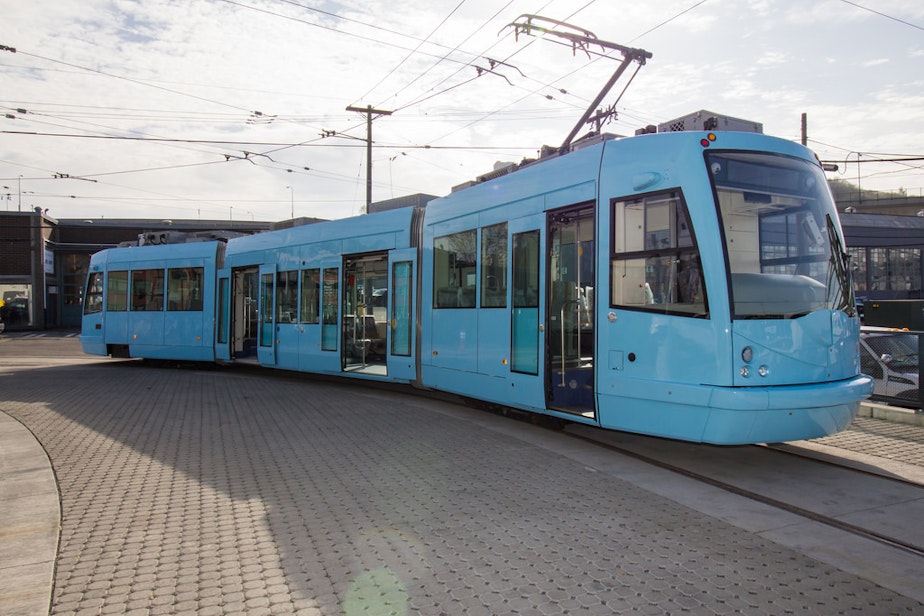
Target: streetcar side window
[(494, 266), (93, 298), (147, 290), (655, 264), (311, 286), (184, 288), (454, 270), (330, 304), (402, 318), (117, 292), (223, 310), (287, 297)]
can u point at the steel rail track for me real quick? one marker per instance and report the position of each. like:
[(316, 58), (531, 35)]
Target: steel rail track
[(767, 500)]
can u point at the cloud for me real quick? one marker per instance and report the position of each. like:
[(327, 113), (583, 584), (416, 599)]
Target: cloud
[(197, 70)]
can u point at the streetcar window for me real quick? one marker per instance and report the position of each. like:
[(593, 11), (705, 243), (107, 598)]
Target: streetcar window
[(526, 270), (223, 310), (311, 286), (454, 270), (782, 236), (494, 266), (93, 299), (287, 297), (655, 262), (402, 284), (117, 292), (330, 302), (147, 290), (266, 310), (524, 339), (184, 288)]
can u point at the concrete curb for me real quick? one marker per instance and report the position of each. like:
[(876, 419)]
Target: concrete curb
[(891, 413), (30, 522)]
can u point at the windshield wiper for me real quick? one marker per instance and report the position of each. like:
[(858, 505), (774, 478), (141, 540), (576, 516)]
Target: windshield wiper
[(839, 270)]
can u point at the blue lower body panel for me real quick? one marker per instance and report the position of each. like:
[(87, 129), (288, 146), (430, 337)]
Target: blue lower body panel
[(179, 353), (738, 415), (93, 345)]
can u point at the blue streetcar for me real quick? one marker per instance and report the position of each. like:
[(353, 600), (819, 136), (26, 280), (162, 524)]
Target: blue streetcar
[(691, 285)]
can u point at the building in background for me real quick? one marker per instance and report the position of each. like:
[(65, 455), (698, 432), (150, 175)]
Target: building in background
[(44, 261), (885, 254)]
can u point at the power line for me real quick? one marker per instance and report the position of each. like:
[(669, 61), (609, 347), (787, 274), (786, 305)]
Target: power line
[(335, 30), (131, 80), (667, 21), (454, 49), (866, 8), (507, 59), (876, 160), (148, 84), (266, 143), (412, 52), (853, 150)]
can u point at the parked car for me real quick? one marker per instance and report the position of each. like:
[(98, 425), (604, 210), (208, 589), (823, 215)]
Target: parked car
[(16, 311), (891, 357)]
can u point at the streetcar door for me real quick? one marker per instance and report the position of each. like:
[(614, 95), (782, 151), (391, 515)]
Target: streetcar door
[(223, 316), (92, 334), (287, 330), (527, 326), (401, 327), (244, 312), (365, 313), (570, 316), (266, 336)]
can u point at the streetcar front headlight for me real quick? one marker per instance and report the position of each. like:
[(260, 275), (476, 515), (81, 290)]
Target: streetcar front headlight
[(747, 354)]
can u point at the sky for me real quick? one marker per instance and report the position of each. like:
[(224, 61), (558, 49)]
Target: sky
[(218, 109)]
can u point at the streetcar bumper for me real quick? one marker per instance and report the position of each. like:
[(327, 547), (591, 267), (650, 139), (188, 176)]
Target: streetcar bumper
[(735, 415), (785, 413)]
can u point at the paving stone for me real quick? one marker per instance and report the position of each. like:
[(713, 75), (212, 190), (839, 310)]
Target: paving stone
[(223, 491)]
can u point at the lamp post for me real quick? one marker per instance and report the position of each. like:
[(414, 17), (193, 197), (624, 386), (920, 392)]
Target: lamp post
[(292, 197)]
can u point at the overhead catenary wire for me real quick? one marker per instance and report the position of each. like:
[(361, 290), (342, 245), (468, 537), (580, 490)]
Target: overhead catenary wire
[(411, 53), (506, 60), (245, 109), (270, 143), (855, 157), (338, 31), (881, 14), (446, 55), (459, 56)]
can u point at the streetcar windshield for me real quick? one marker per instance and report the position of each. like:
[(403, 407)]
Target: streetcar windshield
[(782, 236)]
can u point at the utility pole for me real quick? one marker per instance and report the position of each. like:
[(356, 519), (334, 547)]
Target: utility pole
[(368, 110)]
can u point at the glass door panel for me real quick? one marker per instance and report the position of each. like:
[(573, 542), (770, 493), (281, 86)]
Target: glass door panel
[(570, 343), (524, 352)]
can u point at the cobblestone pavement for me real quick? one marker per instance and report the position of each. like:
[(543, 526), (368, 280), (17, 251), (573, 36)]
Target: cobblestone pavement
[(884, 439), (220, 491)]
